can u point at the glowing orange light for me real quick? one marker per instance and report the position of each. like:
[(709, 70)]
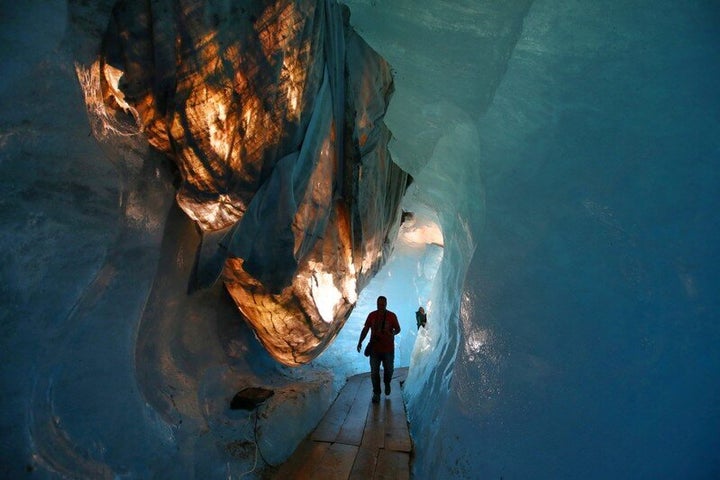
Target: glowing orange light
[(232, 112)]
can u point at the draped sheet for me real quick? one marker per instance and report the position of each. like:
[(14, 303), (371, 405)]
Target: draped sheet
[(273, 114)]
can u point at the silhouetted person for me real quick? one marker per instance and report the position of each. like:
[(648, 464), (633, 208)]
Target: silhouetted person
[(421, 318), (384, 326)]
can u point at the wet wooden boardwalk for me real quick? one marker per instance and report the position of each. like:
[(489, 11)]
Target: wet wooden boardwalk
[(356, 439)]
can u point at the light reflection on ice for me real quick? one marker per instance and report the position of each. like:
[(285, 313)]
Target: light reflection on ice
[(475, 341), (422, 235), (324, 292)]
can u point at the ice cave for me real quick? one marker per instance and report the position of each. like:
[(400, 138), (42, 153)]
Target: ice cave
[(199, 196)]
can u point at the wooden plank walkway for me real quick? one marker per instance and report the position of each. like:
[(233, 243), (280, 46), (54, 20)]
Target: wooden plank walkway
[(356, 439)]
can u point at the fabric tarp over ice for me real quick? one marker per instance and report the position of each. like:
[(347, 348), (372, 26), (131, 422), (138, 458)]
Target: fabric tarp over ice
[(273, 114)]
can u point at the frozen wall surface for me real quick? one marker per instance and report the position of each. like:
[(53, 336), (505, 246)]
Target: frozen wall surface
[(587, 333), (568, 150)]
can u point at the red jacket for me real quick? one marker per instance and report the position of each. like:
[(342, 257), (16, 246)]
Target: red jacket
[(383, 338)]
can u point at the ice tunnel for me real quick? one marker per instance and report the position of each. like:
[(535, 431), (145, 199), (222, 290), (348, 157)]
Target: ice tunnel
[(561, 227)]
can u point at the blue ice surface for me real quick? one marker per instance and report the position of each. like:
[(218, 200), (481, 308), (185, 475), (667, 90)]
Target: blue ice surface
[(588, 321)]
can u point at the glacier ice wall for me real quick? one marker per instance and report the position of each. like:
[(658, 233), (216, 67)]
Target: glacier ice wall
[(109, 367), (586, 323)]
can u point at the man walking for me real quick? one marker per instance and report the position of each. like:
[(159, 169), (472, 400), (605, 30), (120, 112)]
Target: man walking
[(384, 326)]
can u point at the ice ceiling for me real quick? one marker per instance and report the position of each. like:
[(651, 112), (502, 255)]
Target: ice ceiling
[(273, 113)]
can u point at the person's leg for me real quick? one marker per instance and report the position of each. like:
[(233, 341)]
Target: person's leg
[(375, 375), (388, 369)]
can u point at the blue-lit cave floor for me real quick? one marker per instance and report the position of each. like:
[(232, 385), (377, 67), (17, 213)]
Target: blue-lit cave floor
[(355, 438)]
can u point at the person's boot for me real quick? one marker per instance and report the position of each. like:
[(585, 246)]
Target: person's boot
[(376, 397), (387, 389)]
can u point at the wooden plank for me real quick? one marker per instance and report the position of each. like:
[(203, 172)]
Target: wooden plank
[(372, 440), (374, 432), (330, 425), (364, 466), (303, 462), (392, 466), (336, 463), (351, 432), (397, 436)]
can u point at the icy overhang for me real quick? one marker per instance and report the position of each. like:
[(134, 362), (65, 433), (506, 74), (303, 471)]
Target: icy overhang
[(273, 113)]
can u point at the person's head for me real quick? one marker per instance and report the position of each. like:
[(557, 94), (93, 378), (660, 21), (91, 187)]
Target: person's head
[(381, 302), (421, 310)]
